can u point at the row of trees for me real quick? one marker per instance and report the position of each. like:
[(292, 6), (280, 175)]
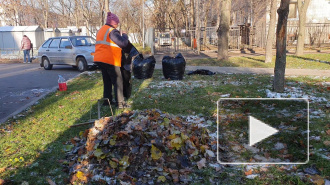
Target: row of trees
[(163, 14)]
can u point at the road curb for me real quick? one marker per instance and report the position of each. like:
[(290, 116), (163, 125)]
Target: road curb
[(21, 109)]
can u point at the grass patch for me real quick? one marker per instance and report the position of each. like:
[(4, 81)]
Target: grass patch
[(32, 145), (307, 61)]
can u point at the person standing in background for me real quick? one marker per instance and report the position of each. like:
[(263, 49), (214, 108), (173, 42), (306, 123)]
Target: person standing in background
[(108, 55), (26, 47)]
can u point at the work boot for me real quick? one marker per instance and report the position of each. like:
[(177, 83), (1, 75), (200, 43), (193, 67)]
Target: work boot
[(123, 105)]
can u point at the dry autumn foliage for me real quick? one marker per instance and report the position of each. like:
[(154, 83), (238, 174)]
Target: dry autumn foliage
[(139, 147)]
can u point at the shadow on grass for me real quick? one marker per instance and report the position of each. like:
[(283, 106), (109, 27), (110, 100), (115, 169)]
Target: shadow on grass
[(258, 60), (310, 59)]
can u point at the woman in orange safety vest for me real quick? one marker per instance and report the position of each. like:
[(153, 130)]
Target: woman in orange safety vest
[(108, 51)]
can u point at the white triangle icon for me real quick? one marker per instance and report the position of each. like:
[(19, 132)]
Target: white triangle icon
[(259, 131)]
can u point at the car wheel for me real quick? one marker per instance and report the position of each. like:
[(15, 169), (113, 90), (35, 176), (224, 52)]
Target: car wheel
[(81, 64), (46, 63)]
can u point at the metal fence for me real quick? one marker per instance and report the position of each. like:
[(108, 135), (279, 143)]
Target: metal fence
[(316, 34), (186, 40)]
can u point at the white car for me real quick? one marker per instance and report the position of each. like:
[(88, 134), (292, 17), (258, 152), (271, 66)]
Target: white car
[(67, 50), (165, 39)]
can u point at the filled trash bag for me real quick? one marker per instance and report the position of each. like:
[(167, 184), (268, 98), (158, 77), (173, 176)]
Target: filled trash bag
[(143, 68), (201, 72), (126, 75), (126, 68), (173, 68)]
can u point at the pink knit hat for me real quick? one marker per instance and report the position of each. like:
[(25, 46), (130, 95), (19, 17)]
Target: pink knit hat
[(112, 19)]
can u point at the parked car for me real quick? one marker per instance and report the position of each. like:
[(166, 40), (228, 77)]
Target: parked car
[(165, 39), (67, 50)]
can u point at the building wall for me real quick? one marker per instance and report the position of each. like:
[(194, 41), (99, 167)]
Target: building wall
[(318, 11)]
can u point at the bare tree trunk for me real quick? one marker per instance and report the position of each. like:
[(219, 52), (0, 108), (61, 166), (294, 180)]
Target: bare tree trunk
[(192, 22), (279, 71), (223, 31), (198, 27), (271, 31), (77, 13), (106, 4), (302, 9), (206, 11)]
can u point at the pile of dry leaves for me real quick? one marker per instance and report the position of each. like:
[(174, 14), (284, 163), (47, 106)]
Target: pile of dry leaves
[(141, 147)]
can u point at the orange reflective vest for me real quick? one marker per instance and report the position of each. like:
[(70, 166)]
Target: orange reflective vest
[(106, 50)]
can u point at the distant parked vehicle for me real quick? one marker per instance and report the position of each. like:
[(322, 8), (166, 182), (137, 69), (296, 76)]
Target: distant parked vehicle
[(165, 39), (67, 50)]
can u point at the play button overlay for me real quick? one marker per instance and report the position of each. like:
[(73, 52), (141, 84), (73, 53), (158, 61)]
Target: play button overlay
[(263, 131), (259, 131)]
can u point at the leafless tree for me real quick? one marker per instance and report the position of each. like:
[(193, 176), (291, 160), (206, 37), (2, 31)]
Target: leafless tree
[(302, 9), (223, 31), (280, 64), (271, 31)]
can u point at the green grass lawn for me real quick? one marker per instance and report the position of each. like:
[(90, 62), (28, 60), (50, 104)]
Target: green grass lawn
[(293, 62), (31, 146)]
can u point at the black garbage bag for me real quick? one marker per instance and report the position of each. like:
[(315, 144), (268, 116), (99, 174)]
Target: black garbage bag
[(126, 75), (201, 72), (143, 68), (173, 68), (126, 68)]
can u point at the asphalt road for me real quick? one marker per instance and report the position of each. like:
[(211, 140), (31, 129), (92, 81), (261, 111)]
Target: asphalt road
[(22, 84)]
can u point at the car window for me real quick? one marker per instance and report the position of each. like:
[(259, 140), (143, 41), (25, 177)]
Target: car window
[(164, 35), (65, 42), (46, 44), (83, 41), (54, 43)]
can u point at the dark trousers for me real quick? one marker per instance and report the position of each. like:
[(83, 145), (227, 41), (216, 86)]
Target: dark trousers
[(112, 76)]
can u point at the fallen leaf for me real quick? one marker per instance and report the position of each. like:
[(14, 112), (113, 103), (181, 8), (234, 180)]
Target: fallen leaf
[(50, 182), (2, 169), (113, 164), (176, 143), (174, 174), (155, 153), (81, 176), (318, 180), (201, 163), (328, 132), (326, 143), (248, 172), (124, 162), (173, 136), (98, 153), (161, 179), (204, 148)]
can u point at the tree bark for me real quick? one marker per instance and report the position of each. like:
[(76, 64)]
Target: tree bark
[(223, 31), (302, 9), (279, 71), (207, 7), (198, 27), (271, 31), (192, 22)]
